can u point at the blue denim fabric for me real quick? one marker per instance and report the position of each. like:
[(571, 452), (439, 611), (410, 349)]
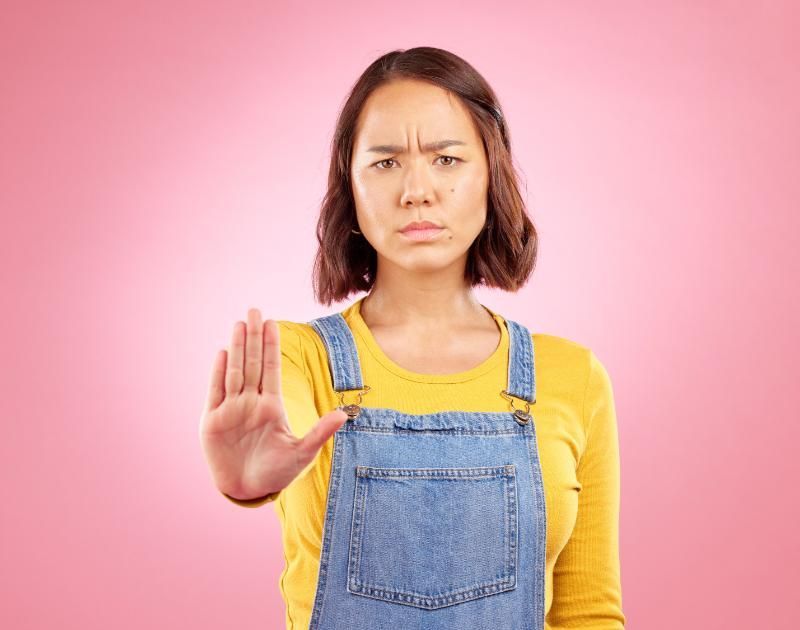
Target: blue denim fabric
[(433, 521)]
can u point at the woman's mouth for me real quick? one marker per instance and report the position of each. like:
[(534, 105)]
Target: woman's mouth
[(422, 234)]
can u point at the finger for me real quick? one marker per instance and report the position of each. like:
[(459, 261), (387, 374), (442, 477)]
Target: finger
[(216, 388), (271, 368), (328, 424), (235, 370), (252, 354)]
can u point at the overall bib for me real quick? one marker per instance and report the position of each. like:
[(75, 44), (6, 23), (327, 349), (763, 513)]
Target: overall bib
[(434, 521)]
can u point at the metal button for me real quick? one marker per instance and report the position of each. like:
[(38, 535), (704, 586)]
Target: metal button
[(521, 416), (352, 411)]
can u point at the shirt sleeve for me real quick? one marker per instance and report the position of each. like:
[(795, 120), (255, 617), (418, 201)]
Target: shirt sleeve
[(298, 400), (587, 590)]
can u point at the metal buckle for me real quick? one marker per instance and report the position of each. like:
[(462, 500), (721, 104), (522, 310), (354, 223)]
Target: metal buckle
[(522, 417), (353, 409)]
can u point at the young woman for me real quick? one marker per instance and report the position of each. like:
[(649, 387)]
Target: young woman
[(465, 472)]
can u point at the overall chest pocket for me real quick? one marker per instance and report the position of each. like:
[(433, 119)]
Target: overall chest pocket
[(433, 537)]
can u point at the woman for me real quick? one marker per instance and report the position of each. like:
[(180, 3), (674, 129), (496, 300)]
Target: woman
[(468, 473)]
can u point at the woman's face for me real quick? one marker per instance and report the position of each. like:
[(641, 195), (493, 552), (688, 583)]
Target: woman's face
[(399, 175)]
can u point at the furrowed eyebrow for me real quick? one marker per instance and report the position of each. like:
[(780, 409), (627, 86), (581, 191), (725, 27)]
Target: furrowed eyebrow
[(431, 146)]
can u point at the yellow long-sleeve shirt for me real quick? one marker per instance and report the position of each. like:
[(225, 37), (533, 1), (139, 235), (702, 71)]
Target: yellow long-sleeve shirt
[(576, 431)]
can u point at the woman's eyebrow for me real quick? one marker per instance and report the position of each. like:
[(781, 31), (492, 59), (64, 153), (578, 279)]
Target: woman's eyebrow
[(431, 146)]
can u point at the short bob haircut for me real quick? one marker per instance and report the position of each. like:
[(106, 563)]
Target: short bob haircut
[(504, 253)]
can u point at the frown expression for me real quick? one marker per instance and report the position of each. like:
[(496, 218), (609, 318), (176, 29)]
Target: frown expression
[(417, 156)]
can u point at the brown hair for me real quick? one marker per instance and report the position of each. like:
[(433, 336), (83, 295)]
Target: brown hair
[(504, 253)]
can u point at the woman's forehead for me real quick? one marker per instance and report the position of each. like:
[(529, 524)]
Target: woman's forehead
[(396, 116)]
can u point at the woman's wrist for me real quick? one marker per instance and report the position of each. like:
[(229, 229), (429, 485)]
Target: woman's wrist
[(254, 500)]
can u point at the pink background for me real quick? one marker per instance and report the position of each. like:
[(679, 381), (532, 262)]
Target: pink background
[(161, 169)]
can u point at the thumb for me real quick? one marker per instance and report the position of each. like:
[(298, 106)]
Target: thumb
[(322, 431)]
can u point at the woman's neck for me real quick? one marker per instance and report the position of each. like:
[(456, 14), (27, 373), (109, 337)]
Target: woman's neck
[(423, 307)]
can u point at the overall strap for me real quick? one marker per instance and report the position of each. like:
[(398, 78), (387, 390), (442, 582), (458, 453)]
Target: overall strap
[(521, 374), (346, 369), (341, 348)]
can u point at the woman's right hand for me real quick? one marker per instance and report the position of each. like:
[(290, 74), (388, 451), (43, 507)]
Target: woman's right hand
[(244, 431)]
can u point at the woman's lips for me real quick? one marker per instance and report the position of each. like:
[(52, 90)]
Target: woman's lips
[(422, 234)]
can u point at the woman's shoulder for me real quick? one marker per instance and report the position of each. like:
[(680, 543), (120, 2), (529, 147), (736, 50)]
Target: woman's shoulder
[(559, 346), (299, 339), (564, 356), (296, 330), (302, 336), (568, 361), (557, 351)]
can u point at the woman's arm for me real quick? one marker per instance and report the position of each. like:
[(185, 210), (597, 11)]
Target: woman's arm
[(587, 589)]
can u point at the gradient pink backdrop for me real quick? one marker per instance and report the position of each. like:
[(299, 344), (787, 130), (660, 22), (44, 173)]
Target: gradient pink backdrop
[(161, 169)]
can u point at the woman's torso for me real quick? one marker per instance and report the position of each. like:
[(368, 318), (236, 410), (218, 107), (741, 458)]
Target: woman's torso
[(561, 368)]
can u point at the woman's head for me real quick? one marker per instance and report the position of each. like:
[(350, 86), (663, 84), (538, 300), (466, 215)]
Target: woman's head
[(387, 171)]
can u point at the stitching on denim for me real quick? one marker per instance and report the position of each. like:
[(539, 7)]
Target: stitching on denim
[(521, 379), (505, 473), (327, 531), (469, 472), (356, 528), (512, 515), (382, 419), (342, 353), (540, 514)]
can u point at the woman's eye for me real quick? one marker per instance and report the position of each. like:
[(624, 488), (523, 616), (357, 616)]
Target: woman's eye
[(442, 157), (450, 157)]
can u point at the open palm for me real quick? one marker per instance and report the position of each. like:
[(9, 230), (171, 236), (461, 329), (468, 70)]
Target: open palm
[(244, 429)]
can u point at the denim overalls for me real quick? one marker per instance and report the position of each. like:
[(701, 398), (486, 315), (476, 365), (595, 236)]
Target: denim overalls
[(433, 521)]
